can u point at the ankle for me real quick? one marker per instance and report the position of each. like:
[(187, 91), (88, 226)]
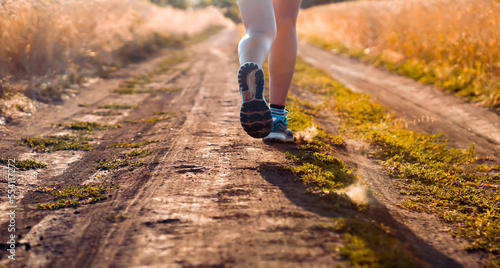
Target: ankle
[(277, 111), (276, 106)]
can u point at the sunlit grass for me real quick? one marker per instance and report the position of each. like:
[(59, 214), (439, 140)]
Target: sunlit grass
[(452, 44), (87, 126), (74, 196), (131, 145), (49, 45), (117, 106), (366, 243), (22, 164), (57, 143), (126, 159), (458, 185)]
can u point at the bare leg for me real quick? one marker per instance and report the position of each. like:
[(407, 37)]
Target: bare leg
[(283, 54), (260, 26)]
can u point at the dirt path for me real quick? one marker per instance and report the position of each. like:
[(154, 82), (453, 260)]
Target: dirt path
[(207, 196), (424, 108)]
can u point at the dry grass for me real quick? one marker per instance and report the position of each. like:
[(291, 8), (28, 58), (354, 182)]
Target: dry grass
[(454, 44), (74, 37)]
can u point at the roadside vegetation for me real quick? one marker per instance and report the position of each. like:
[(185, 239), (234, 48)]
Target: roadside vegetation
[(155, 119), (22, 164), (458, 185), (107, 113), (51, 47), (228, 7), (117, 217), (367, 243), (137, 84), (451, 44), (318, 168), (87, 126), (131, 145), (126, 159), (118, 106), (84, 194), (75, 196), (57, 143)]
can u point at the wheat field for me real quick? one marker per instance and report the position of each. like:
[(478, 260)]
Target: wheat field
[(454, 44), (45, 38)]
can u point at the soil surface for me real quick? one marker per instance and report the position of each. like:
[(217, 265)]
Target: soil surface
[(209, 195), (423, 107)]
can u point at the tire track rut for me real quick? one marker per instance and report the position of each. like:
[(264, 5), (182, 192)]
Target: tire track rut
[(423, 107), (209, 195)]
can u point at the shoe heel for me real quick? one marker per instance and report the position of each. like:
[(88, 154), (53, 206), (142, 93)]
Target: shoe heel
[(255, 116)]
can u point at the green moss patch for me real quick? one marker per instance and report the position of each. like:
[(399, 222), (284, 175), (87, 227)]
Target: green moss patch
[(57, 143), (318, 168), (150, 120), (131, 145), (370, 245), (74, 196), (155, 119), (366, 243), (117, 217), (126, 159), (22, 164), (107, 113), (117, 106), (458, 185), (322, 171), (87, 126)]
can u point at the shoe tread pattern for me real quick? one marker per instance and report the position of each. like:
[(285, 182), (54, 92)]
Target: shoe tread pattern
[(255, 116)]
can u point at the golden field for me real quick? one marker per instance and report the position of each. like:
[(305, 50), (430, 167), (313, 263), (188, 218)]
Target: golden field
[(46, 38), (454, 44)]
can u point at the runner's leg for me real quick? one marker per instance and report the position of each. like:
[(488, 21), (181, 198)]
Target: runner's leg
[(260, 26), (283, 54)]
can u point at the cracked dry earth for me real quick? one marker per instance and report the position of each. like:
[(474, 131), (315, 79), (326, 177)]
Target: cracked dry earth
[(207, 196)]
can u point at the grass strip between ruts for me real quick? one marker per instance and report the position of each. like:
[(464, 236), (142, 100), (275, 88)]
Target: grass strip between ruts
[(456, 184), (367, 242)]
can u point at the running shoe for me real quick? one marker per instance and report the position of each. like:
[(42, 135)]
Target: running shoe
[(280, 132), (255, 116)]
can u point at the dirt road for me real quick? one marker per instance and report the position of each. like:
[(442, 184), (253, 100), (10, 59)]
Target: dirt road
[(428, 110), (216, 196), (424, 108), (207, 196)]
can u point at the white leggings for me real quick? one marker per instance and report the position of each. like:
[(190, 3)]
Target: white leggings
[(270, 30)]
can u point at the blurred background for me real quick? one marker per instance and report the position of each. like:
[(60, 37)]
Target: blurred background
[(50, 46)]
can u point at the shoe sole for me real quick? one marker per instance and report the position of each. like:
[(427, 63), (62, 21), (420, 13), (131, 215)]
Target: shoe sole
[(255, 116), (277, 138)]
